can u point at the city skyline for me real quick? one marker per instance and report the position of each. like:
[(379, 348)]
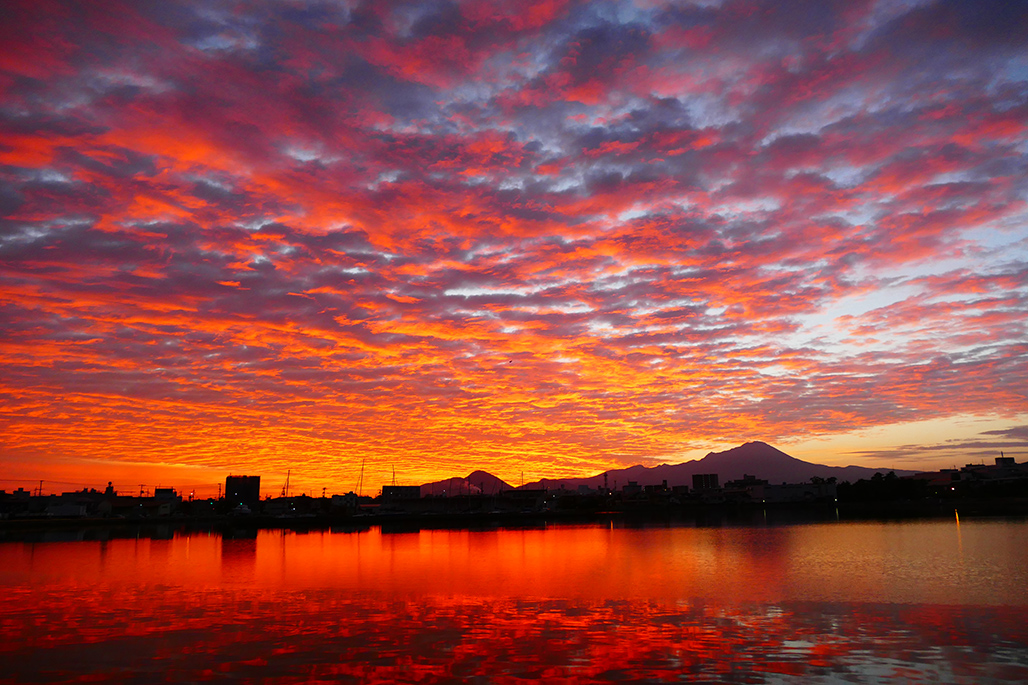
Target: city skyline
[(324, 237)]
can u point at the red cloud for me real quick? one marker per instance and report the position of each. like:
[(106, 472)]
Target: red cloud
[(549, 238)]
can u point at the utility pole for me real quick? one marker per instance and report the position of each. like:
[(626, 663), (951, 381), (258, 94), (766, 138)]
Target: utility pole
[(39, 492)]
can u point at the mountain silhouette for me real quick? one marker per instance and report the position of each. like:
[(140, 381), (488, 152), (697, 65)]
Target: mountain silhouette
[(753, 458), (475, 483)]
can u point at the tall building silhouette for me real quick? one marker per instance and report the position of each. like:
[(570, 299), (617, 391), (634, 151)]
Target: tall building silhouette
[(704, 481), (243, 490)]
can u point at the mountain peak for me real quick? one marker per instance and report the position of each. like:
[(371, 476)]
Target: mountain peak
[(750, 450), (478, 481), (754, 458)]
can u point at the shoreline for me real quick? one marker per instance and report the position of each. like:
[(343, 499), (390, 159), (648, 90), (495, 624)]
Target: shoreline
[(15, 530)]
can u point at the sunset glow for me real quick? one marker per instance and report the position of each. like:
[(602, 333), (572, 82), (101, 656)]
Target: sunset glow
[(823, 603), (432, 237)]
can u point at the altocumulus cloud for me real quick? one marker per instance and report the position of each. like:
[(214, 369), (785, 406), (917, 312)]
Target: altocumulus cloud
[(566, 236)]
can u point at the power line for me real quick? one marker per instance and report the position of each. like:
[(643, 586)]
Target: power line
[(36, 480)]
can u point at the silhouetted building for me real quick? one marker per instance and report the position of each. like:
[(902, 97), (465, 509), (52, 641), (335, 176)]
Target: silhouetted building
[(796, 492), (524, 499), (348, 502), (394, 492), (243, 490), (65, 509), (129, 507), (170, 494), (704, 481), (757, 491), (745, 482), (299, 506)]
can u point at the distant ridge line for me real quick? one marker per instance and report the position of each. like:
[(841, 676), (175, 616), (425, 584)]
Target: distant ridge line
[(756, 458)]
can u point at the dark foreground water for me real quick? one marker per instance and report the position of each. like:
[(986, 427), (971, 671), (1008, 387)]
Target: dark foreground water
[(843, 602)]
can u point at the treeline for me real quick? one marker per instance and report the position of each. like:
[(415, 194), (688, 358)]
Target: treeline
[(884, 488), (891, 488)]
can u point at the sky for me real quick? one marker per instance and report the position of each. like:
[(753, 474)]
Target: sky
[(542, 239)]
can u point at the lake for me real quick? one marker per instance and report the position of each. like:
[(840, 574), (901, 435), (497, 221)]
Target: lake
[(925, 601)]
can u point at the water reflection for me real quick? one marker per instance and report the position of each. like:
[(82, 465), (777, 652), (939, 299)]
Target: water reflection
[(239, 558), (179, 635), (859, 602)]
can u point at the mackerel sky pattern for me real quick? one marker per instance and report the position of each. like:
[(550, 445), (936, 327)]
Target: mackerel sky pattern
[(550, 237)]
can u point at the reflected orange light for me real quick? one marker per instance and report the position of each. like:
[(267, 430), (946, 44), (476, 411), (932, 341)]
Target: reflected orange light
[(565, 604)]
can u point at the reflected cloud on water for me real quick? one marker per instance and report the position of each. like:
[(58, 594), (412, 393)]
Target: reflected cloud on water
[(171, 635), (561, 605)]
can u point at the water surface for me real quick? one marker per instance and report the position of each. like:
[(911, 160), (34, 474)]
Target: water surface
[(860, 602)]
